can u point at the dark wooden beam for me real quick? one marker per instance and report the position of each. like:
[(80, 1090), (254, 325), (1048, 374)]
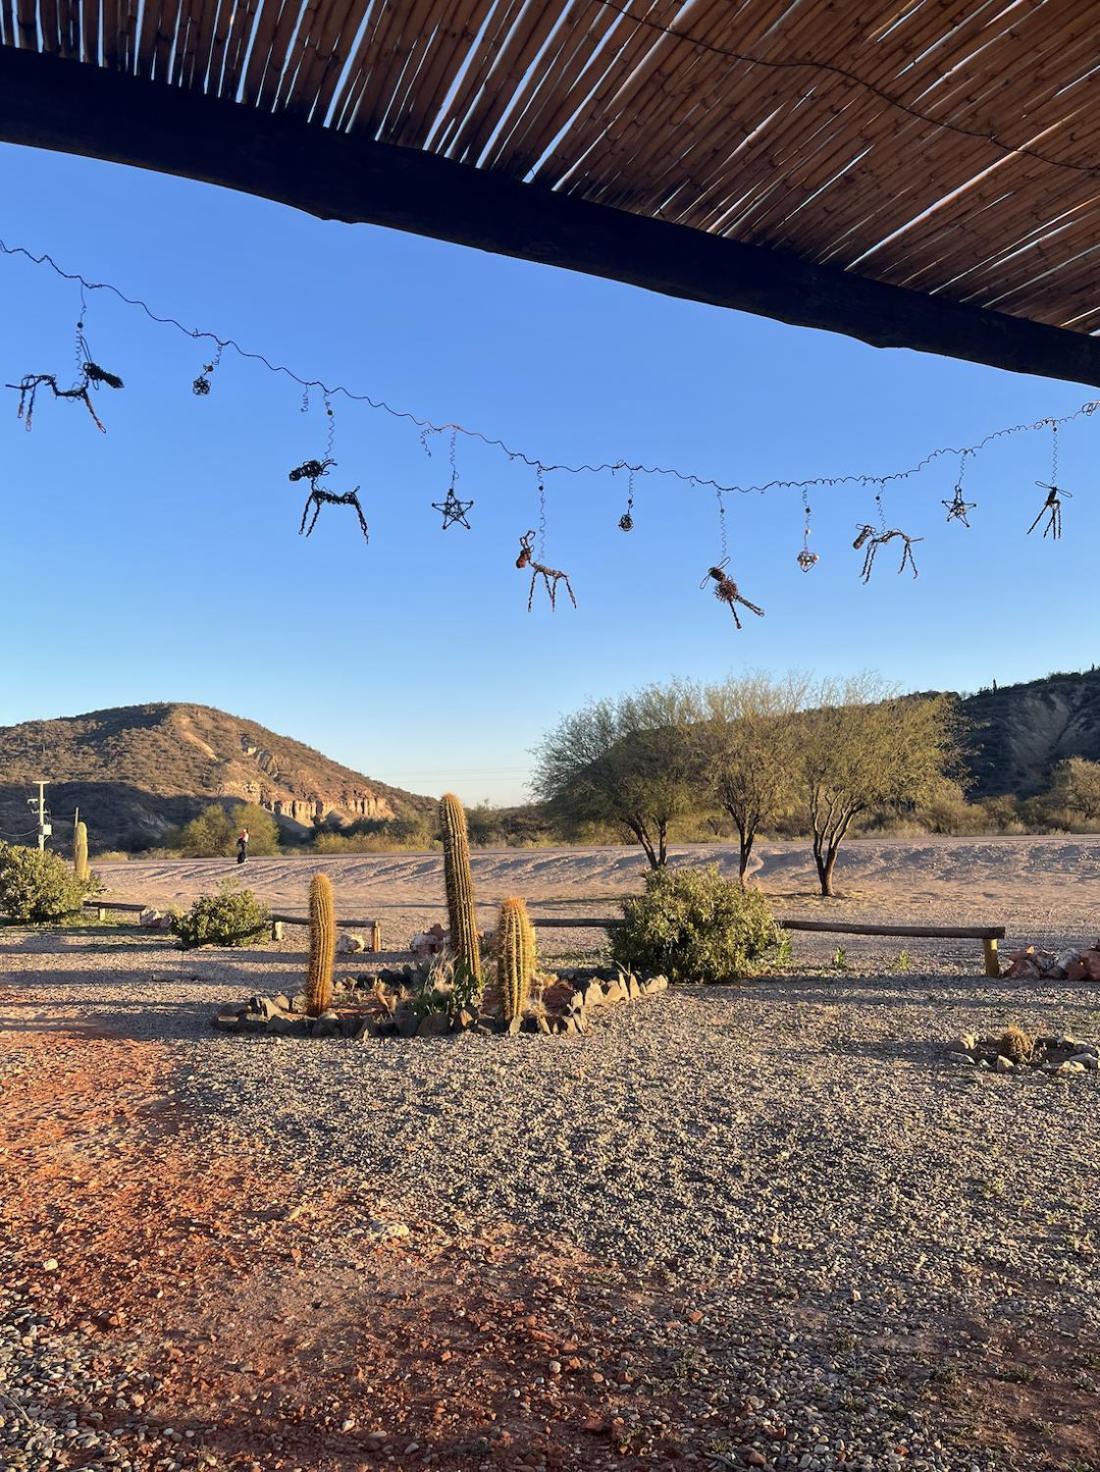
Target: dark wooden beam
[(70, 106)]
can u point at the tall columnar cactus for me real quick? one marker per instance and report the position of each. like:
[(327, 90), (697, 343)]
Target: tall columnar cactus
[(322, 945), (460, 886), (515, 957), (80, 851)]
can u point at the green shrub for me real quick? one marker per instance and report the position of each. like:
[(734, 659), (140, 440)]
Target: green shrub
[(232, 917), (38, 886), (695, 925)]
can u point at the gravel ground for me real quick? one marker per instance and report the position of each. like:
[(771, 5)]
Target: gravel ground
[(867, 1233)]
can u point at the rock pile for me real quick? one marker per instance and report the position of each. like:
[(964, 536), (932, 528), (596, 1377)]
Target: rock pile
[(391, 1004), (1032, 964), (1015, 1052)]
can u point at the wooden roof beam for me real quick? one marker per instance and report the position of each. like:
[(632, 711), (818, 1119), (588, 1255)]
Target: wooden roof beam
[(74, 107)]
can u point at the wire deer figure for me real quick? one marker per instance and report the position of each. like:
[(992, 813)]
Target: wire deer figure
[(551, 576), (1052, 509), (727, 591), (313, 470), (92, 376), (875, 540)]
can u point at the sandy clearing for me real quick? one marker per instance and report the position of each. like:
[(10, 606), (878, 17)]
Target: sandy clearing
[(1037, 887)]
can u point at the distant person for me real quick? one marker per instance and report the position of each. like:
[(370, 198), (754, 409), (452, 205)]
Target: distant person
[(242, 845)]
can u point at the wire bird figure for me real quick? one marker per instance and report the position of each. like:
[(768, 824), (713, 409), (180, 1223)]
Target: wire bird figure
[(551, 576), (875, 540), (957, 508), (313, 470), (1053, 506), (727, 591), (92, 376)]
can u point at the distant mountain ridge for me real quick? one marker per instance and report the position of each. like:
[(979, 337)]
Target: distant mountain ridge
[(137, 771), (1019, 733)]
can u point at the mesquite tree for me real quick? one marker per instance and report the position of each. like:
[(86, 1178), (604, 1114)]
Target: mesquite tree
[(633, 761), (862, 747), (750, 741)]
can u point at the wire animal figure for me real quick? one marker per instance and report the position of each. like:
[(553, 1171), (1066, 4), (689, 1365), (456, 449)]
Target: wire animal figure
[(313, 470), (1052, 508), (874, 540), (551, 576), (92, 376), (957, 508), (727, 591)]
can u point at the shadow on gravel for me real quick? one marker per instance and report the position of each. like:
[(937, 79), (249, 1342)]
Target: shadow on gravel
[(885, 1051)]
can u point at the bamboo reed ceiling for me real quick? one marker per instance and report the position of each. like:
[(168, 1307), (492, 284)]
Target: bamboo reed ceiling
[(950, 148)]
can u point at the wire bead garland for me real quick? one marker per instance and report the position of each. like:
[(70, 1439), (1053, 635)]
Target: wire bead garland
[(806, 559), (727, 591), (313, 470), (1052, 506), (551, 576)]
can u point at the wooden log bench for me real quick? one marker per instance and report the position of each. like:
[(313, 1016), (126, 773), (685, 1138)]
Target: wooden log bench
[(374, 926), (103, 909), (989, 935)]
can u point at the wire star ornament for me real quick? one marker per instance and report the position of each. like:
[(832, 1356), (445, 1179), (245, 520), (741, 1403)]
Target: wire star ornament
[(957, 508), (454, 511)]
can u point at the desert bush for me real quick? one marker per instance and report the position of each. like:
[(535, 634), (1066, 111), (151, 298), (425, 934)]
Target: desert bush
[(695, 925), (113, 856), (231, 917), (38, 885)]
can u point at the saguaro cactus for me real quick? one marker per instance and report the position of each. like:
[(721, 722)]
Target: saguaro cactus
[(322, 945), (515, 957), (80, 850), (460, 886)]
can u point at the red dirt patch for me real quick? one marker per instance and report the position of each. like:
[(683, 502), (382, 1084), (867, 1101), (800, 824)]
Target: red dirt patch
[(274, 1332)]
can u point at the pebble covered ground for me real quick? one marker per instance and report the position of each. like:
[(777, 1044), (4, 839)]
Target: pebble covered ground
[(766, 1225)]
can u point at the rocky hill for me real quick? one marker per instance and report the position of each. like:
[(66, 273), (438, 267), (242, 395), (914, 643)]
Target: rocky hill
[(137, 771), (1019, 732)]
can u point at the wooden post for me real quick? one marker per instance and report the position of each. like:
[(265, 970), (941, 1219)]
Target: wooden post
[(276, 930), (992, 964), (375, 935), (101, 915)]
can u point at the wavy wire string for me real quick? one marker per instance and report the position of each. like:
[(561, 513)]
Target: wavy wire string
[(428, 426)]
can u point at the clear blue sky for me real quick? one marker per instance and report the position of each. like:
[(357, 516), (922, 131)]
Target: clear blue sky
[(162, 561)]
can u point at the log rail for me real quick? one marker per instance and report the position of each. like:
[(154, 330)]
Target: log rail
[(989, 935)]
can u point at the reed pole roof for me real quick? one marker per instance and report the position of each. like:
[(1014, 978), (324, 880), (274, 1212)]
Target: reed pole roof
[(919, 173)]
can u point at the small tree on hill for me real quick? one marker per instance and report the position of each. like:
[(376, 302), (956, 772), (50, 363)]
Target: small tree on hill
[(863, 747), (1075, 788), (633, 762), (750, 741)]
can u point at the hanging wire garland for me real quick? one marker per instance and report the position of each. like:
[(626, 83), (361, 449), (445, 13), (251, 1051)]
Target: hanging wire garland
[(726, 590), (874, 540), (1052, 506), (551, 576), (806, 559), (201, 385), (314, 470), (454, 511), (428, 427), (91, 376), (957, 507), (626, 521)]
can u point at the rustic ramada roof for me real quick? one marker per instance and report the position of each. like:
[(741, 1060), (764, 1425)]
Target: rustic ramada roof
[(920, 172)]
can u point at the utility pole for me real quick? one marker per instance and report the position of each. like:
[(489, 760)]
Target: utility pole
[(45, 827)]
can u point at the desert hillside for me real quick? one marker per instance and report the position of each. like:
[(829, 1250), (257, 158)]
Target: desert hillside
[(136, 771), (1018, 733)]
